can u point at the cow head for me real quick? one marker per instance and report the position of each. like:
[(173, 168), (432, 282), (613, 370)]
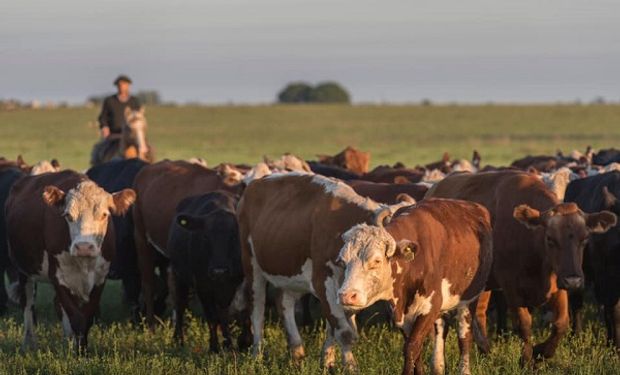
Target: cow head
[(86, 209), (134, 131), (218, 249), (566, 232), (365, 258)]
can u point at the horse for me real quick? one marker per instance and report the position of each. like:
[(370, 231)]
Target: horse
[(130, 143)]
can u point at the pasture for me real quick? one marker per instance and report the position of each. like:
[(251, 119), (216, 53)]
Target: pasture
[(411, 134)]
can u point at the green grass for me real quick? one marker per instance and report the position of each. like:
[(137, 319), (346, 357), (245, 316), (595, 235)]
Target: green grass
[(412, 134)]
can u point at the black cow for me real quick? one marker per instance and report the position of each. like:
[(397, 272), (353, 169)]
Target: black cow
[(602, 257), (114, 176), (332, 171), (205, 255), (607, 156), (8, 176)]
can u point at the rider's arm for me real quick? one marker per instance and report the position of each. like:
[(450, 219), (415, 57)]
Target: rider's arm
[(103, 119)]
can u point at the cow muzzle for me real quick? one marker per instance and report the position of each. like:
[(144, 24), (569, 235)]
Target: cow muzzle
[(571, 282), (84, 249), (351, 299), (218, 273)]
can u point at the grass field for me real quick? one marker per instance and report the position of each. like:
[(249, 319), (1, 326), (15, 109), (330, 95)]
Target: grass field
[(411, 134)]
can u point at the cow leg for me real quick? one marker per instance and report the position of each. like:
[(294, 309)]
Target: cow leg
[(465, 338), (328, 354), (146, 265), (412, 348), (616, 325), (222, 317), (342, 325), (258, 290), (502, 312), (523, 325), (26, 286), (480, 308), (180, 305), (612, 323), (559, 305), (287, 310), (575, 299), (80, 317), (441, 331)]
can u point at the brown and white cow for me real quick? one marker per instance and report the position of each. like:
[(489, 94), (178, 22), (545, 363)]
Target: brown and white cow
[(59, 230), (388, 193), (538, 246), (290, 227), (431, 258), (350, 158), (160, 188)]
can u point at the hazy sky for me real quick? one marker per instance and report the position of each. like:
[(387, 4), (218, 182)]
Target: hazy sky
[(246, 50)]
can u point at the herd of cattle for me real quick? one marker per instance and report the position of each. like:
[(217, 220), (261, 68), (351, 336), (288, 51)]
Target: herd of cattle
[(434, 241)]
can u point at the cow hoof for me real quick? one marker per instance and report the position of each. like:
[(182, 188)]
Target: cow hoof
[(539, 352), (298, 353)]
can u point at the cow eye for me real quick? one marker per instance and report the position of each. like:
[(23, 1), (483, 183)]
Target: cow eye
[(340, 263), (105, 215), (67, 216)]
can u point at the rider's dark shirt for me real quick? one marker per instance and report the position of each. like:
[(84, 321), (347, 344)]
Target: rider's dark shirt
[(113, 112)]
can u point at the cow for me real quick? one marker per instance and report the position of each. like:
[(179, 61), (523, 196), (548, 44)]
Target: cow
[(160, 187), (350, 158), (59, 230), (602, 256), (430, 258), (332, 171), (290, 227), (390, 175), (114, 176), (10, 172), (542, 163), (606, 156), (388, 193), (537, 247), (205, 255)]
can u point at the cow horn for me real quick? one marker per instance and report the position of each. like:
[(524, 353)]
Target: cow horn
[(382, 217)]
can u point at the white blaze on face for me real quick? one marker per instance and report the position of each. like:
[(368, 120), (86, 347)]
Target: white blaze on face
[(87, 210), (368, 274)]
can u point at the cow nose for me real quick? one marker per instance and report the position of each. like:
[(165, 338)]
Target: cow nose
[(572, 282), (350, 298), (216, 273), (84, 248)]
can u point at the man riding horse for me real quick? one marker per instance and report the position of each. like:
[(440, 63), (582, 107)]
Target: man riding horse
[(122, 125)]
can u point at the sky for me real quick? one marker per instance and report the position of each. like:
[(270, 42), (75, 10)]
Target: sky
[(245, 51)]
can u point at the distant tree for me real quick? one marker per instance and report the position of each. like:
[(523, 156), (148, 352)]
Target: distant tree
[(295, 92), (148, 97), (329, 92)]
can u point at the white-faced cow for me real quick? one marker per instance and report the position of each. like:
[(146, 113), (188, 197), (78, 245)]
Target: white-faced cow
[(538, 247), (431, 258), (290, 228), (59, 230)]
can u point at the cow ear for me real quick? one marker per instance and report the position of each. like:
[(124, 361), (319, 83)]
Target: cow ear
[(122, 200), (56, 164), (601, 222), (53, 196), (608, 197), (128, 112), (190, 222), (528, 216), (407, 249)]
